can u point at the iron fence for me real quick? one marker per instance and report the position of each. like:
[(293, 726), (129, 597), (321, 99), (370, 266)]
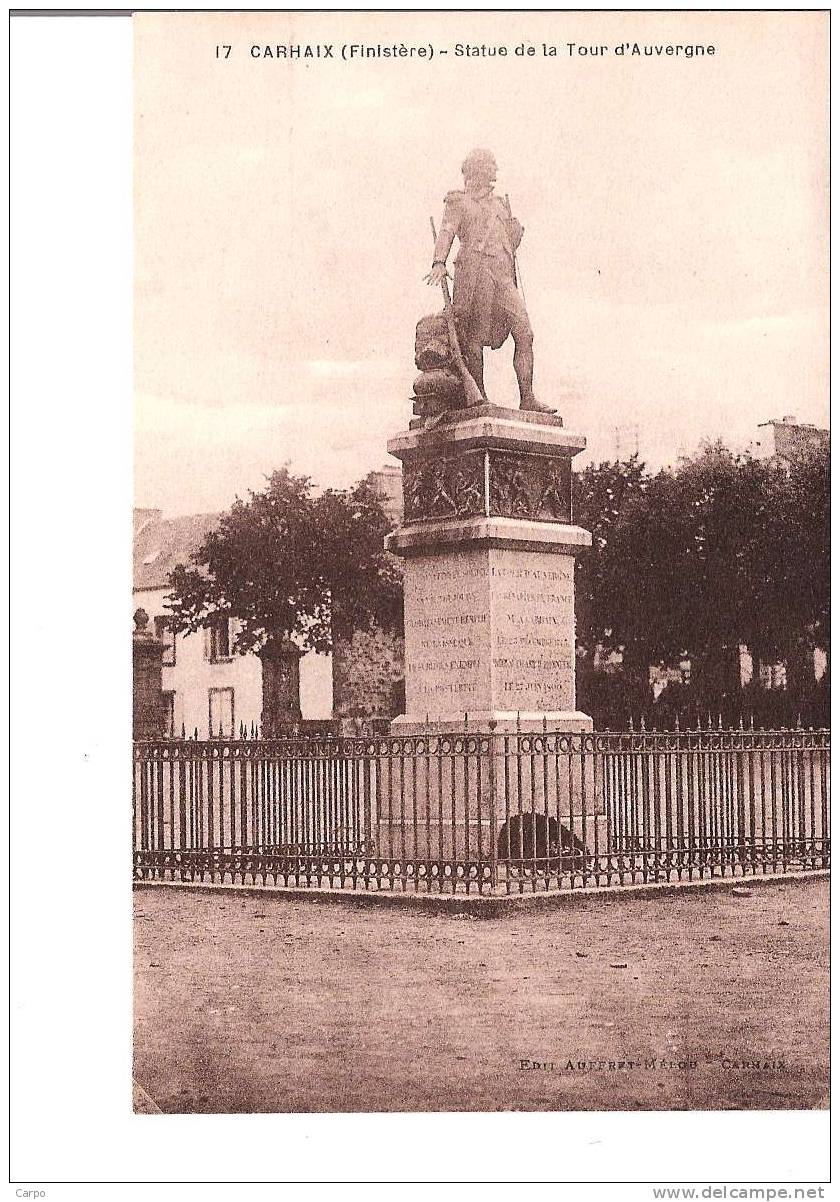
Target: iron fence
[(488, 813)]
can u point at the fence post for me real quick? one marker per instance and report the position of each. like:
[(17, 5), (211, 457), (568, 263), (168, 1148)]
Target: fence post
[(147, 660), (494, 851), (366, 811)]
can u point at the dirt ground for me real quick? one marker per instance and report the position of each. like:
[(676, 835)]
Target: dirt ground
[(708, 1002)]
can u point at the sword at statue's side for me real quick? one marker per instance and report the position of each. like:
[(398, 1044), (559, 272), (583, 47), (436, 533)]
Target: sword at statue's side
[(472, 392), (517, 270)]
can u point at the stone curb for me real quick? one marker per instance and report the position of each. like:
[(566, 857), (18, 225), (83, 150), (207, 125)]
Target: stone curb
[(485, 907)]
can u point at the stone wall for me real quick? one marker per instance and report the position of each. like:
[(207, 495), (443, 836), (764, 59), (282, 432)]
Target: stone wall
[(368, 674)]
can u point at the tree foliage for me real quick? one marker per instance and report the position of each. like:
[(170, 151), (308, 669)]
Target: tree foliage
[(720, 551), (291, 565)]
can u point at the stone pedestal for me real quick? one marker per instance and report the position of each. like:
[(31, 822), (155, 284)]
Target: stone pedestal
[(489, 546), (147, 653)]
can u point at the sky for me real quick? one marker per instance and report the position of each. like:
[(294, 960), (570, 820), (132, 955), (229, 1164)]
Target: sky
[(674, 264)]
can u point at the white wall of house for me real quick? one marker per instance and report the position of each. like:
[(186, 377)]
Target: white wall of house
[(316, 688), (745, 664), (231, 686)]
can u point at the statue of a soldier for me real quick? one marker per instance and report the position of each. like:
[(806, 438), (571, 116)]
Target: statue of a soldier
[(487, 303)]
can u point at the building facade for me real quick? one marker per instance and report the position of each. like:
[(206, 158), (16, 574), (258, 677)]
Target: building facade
[(208, 688), (785, 438)]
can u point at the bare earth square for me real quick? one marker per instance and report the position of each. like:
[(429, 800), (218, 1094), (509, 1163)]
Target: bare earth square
[(245, 1005)]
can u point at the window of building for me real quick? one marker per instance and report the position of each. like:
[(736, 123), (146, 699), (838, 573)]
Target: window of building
[(219, 640), (221, 713), (167, 637), (169, 713)]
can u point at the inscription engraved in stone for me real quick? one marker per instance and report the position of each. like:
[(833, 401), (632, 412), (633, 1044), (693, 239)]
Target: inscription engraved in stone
[(534, 633), (447, 634), (501, 572), (489, 629)]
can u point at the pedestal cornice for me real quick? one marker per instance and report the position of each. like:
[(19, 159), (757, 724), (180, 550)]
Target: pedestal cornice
[(513, 533), (487, 427)]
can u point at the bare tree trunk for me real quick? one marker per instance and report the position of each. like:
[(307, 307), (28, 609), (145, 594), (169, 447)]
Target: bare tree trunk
[(281, 688)]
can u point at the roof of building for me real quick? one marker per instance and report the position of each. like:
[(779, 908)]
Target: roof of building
[(160, 544), (791, 422)]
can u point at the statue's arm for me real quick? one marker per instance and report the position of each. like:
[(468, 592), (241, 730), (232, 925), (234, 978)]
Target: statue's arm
[(443, 245), (448, 226), (445, 238)]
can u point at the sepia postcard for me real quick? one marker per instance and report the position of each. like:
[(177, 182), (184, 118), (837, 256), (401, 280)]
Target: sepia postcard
[(481, 561), (480, 606)]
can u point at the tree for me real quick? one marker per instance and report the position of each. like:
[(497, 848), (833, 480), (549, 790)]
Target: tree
[(720, 551), (364, 583), (602, 494), (630, 591), (790, 606), (721, 499), (291, 568)]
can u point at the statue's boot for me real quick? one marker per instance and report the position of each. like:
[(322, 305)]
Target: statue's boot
[(531, 405)]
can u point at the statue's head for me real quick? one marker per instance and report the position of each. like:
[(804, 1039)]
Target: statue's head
[(479, 165)]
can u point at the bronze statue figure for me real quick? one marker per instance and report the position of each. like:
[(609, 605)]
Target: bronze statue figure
[(487, 302)]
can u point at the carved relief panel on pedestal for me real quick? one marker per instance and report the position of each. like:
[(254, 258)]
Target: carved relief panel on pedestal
[(491, 483), (448, 487), (535, 487)]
